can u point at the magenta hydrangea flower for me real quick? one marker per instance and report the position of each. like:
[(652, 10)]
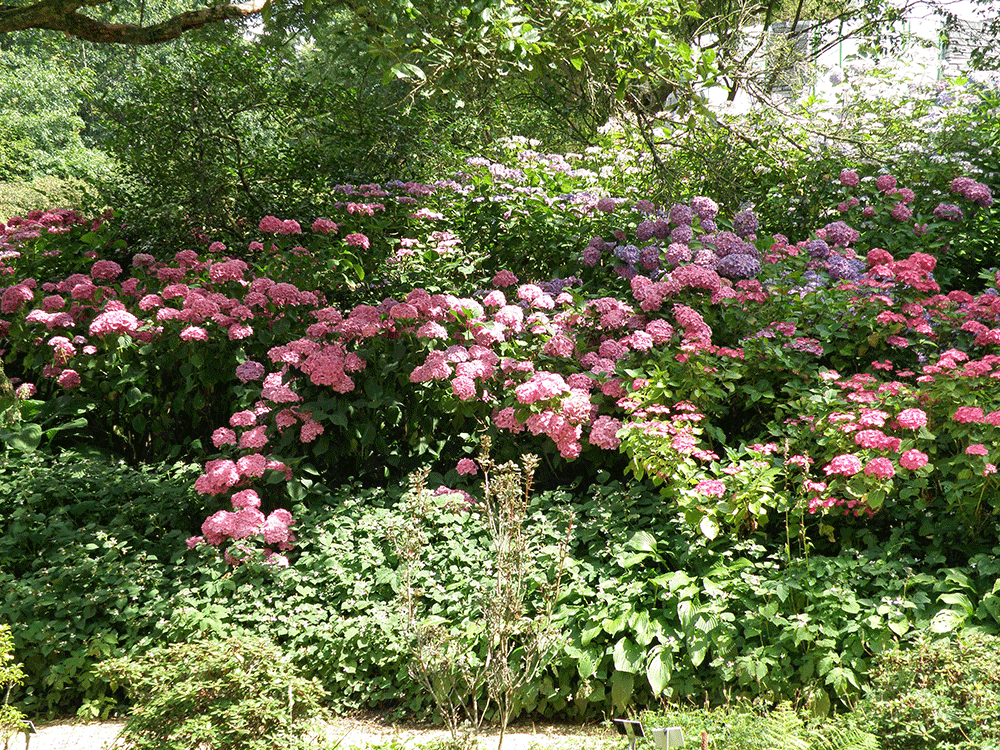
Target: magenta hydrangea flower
[(849, 178), (324, 226), (886, 183), (467, 466), (69, 379), (270, 224), (105, 270), (250, 370)]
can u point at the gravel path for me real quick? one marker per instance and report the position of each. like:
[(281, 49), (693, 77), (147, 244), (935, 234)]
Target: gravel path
[(351, 733)]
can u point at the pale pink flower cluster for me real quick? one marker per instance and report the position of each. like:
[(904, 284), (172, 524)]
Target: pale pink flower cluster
[(846, 463), (541, 386), (711, 487), (113, 321), (604, 432)]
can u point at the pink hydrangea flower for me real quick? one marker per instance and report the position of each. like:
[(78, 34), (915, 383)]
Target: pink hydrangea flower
[(880, 467), (114, 321), (966, 414), (977, 449), (711, 487), (105, 270), (69, 379), (223, 436), (356, 239), (913, 459), (246, 499), (849, 178), (603, 433), (324, 226), (252, 465), (846, 463), (504, 278), (194, 333), (255, 438), (467, 466), (270, 224), (311, 429), (250, 370), (912, 419)]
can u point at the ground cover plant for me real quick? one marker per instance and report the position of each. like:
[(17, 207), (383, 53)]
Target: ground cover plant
[(779, 451)]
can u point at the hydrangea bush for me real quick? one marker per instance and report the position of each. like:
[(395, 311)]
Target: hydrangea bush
[(820, 389)]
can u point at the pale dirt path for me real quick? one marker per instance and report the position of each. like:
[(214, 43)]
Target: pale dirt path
[(352, 733)]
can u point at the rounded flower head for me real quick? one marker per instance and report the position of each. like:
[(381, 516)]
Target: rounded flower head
[(711, 487), (846, 463), (849, 178), (467, 466), (114, 321), (880, 467), (913, 459), (886, 183), (912, 419), (966, 414)]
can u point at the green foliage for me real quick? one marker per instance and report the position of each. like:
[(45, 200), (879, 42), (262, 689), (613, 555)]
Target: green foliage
[(87, 546), (41, 130), (747, 725), (241, 693), (940, 693), (18, 198), (11, 674)]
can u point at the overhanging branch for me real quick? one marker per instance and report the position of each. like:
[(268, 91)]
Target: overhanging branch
[(64, 15)]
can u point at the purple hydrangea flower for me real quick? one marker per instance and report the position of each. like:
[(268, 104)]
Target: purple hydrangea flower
[(745, 223), (948, 212), (681, 215), (628, 254), (818, 248), (738, 266), (705, 208)]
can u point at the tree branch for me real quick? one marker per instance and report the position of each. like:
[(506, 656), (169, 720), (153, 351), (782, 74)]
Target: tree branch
[(63, 15)]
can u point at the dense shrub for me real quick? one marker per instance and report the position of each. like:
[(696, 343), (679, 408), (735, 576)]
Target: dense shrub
[(89, 547), (937, 693), (233, 694)]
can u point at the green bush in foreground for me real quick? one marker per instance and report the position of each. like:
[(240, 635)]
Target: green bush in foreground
[(937, 694), (10, 674), (743, 725), (236, 694)]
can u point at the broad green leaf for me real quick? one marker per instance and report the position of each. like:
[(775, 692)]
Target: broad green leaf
[(658, 671), (622, 686)]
